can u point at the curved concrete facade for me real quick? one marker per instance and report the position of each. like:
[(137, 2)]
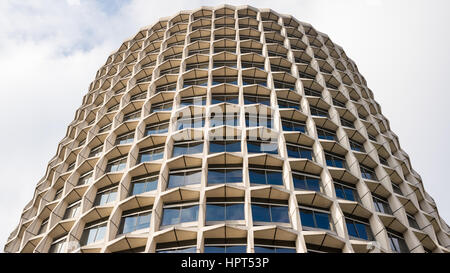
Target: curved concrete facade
[(230, 129)]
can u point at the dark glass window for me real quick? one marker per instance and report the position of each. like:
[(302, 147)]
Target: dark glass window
[(132, 115), (268, 210), (221, 63), (161, 106), (262, 175), (260, 146), (306, 182), (96, 151), (359, 228), (397, 242), (356, 146), (412, 221), (283, 103), (252, 99), (335, 161), (284, 85), (293, 126), (381, 204), (298, 151), (197, 100), (224, 79), (219, 146), (346, 191), (225, 209), (315, 218), (274, 246), (315, 111), (346, 122), (220, 174), (197, 81), (190, 122), (326, 134), (368, 173), (247, 64), (125, 138), (116, 164), (250, 80)]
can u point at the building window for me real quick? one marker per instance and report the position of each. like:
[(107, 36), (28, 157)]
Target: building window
[(252, 120), (72, 210), (368, 173), (225, 245), (172, 86), (58, 193), (187, 246), (218, 49), (228, 119), (43, 227), (306, 182), (71, 166), (412, 221), (245, 50), (136, 219), (151, 154), (161, 106), (202, 65), (264, 175), (116, 164), (220, 146), (224, 79), (359, 228), (96, 151), (177, 213), (105, 128), (396, 189), (182, 178), (247, 64), (222, 63), (356, 146), (262, 146), (381, 204), (321, 249), (315, 111), (347, 123), (106, 195), (270, 210), (338, 103), (346, 191), (274, 246), (253, 99), (397, 242), (293, 126), (224, 209), (250, 81), (59, 245), (125, 138), (326, 134), (157, 128), (315, 218), (281, 84), (335, 161), (197, 81), (283, 103), (190, 122), (86, 178), (228, 98), (222, 174), (132, 115), (187, 147), (94, 232), (298, 151), (198, 100), (383, 161), (145, 183)]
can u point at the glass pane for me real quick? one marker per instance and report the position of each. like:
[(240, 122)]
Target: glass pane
[(307, 218), (216, 176), (257, 177), (362, 231), (215, 212), (171, 216), (100, 233), (262, 249), (233, 146), (189, 214), (351, 229), (286, 250), (235, 212), (274, 178), (299, 182), (349, 194), (214, 249), (313, 184), (193, 177), (196, 148), (280, 214), (138, 187), (216, 147), (236, 249), (234, 176), (143, 221), (340, 192), (322, 220), (128, 224), (176, 180), (260, 213), (180, 149)]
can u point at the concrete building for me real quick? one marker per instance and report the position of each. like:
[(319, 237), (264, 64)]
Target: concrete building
[(230, 129)]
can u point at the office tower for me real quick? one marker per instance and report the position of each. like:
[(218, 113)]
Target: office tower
[(230, 129)]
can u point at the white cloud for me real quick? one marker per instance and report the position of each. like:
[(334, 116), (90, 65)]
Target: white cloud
[(50, 51)]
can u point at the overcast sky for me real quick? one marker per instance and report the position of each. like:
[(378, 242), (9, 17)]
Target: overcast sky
[(51, 50)]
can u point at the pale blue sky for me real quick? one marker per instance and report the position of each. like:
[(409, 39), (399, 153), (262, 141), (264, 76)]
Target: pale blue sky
[(50, 51)]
